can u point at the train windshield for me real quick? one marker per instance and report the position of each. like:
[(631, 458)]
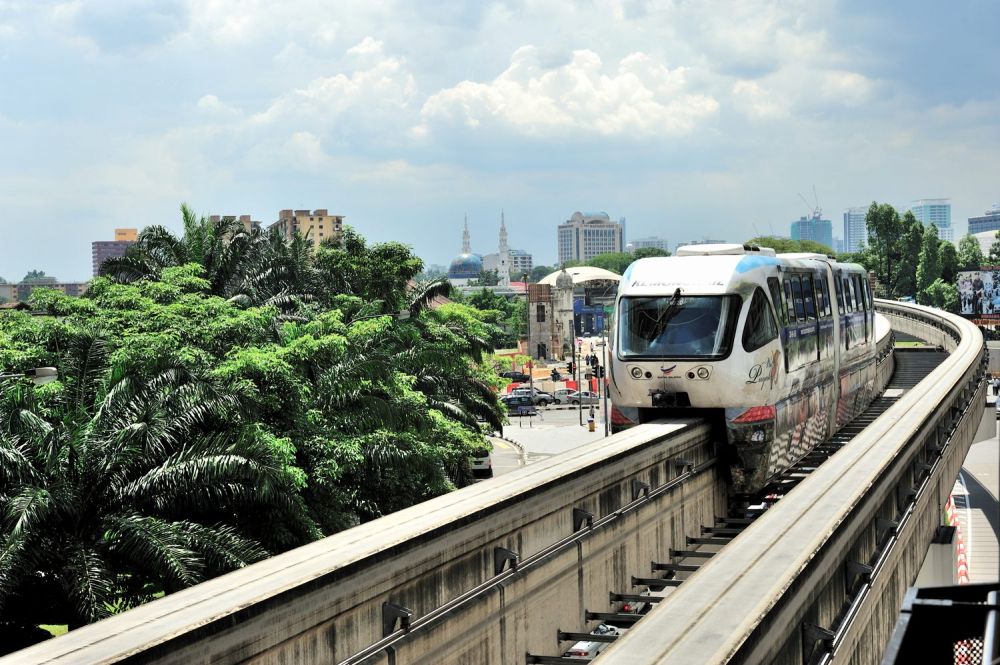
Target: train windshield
[(677, 326)]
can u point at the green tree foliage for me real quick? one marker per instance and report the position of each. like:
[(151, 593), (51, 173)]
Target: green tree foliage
[(38, 277), (929, 263), (883, 250), (994, 257), (942, 295), (616, 262), (970, 254), (487, 278), (949, 262), (245, 394), (114, 487), (908, 247), (539, 273), (787, 246), (648, 252)]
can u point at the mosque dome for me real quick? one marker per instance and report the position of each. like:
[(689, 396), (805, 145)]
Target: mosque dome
[(465, 266)]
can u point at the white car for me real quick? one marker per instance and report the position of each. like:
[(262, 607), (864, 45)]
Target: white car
[(586, 649)]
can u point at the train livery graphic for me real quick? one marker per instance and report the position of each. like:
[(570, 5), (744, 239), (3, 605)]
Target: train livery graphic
[(783, 347)]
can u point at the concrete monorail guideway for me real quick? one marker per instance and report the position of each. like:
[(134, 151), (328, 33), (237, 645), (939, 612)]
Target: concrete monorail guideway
[(515, 569)]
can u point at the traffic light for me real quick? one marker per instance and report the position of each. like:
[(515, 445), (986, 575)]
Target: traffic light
[(570, 368), (600, 371)]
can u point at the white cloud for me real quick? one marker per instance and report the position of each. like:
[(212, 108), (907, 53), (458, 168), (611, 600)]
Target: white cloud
[(639, 97), (367, 46)]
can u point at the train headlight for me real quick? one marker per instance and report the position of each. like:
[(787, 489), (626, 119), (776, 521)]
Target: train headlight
[(703, 372), (758, 435), (636, 372)]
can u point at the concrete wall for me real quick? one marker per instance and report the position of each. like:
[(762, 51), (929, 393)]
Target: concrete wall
[(323, 602)]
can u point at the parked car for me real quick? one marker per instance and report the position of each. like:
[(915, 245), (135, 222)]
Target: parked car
[(482, 465), (559, 396), (586, 649), (541, 398), (515, 377), (582, 397), (513, 402)]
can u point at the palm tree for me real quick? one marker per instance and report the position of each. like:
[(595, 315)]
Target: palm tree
[(252, 267), (118, 489)]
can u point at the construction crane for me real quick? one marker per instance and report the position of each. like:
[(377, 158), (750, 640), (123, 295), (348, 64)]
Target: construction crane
[(816, 212)]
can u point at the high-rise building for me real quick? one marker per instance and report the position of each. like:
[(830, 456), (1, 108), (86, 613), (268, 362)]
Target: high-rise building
[(586, 234), (937, 212), (814, 228), (315, 226), (101, 250), (649, 241), (990, 221), (855, 229)]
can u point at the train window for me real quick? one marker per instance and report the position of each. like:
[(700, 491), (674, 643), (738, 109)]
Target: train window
[(678, 326), (858, 305), (760, 327), (779, 304), (800, 308), (789, 301), (847, 296), (808, 299), (826, 297), (840, 294)]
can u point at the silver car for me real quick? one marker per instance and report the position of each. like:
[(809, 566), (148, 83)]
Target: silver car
[(582, 397)]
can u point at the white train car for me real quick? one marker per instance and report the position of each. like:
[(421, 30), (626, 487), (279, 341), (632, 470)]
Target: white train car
[(782, 346)]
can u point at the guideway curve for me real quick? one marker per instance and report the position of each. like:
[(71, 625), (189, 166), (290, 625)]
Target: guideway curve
[(816, 576)]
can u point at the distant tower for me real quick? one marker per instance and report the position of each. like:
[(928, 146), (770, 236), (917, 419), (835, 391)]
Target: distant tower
[(466, 242), (503, 267)]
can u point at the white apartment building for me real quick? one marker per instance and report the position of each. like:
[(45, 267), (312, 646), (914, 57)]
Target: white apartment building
[(586, 234)]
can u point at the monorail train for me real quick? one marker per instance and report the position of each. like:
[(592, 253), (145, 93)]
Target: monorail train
[(783, 346)]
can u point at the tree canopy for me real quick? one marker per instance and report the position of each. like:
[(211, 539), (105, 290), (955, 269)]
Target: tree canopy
[(787, 246), (223, 395)]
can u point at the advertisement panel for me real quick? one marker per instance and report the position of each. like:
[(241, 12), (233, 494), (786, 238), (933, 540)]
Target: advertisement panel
[(979, 292)]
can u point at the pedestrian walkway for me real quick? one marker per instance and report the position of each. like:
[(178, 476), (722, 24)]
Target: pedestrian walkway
[(975, 496)]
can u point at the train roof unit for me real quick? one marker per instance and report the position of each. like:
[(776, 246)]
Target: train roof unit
[(723, 249)]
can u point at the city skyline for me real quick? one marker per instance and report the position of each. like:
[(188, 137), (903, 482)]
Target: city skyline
[(674, 116)]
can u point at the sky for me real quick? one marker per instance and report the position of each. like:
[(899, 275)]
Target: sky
[(690, 118)]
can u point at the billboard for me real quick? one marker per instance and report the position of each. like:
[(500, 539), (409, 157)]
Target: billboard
[(979, 292)]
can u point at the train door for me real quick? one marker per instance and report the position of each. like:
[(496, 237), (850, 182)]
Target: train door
[(781, 314)]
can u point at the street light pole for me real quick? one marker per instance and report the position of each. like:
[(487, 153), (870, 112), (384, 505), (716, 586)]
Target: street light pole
[(527, 310)]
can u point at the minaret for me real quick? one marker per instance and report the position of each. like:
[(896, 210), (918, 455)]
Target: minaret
[(504, 265), (466, 242)]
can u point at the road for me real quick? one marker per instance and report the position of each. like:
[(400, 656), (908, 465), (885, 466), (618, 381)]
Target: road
[(532, 438)]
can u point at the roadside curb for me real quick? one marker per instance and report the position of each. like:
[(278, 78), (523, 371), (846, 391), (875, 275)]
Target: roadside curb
[(510, 441)]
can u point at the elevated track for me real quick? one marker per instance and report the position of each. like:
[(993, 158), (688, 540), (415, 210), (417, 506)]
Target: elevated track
[(511, 570)]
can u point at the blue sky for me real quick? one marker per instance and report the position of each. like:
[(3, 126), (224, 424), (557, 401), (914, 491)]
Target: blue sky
[(689, 118)]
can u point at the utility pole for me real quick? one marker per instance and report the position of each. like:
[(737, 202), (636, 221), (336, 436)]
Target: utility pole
[(604, 345), (527, 311)]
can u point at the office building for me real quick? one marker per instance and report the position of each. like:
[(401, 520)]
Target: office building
[(101, 250), (855, 229), (75, 289), (814, 228), (649, 241), (8, 292), (990, 221), (586, 234), (520, 262), (937, 212), (315, 226)]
